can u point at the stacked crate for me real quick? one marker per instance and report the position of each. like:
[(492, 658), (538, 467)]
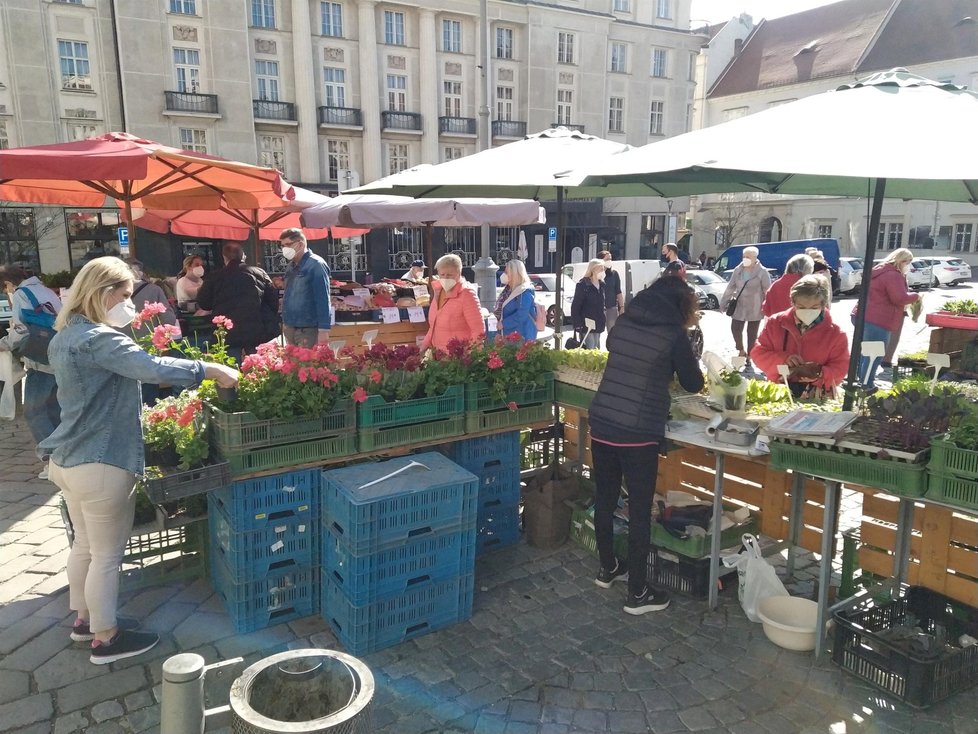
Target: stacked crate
[(398, 540), (264, 548), (495, 460)]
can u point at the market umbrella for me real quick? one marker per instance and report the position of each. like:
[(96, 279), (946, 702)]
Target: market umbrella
[(135, 173), (893, 134)]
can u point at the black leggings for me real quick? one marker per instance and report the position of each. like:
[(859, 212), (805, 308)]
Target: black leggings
[(737, 329)]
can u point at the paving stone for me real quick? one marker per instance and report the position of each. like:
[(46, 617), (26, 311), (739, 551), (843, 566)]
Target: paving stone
[(27, 710), (89, 692), (68, 666), (138, 700), (42, 727), (144, 719), (14, 685), (106, 727), (73, 722), (665, 722), (627, 722), (107, 710), (34, 653), (595, 720)]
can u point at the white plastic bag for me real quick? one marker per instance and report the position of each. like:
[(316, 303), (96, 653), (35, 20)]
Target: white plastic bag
[(11, 372), (757, 579)]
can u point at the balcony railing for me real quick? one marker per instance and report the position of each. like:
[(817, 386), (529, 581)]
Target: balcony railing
[(391, 120), (266, 109), (579, 128), (191, 102), (456, 125), (508, 129), (340, 116)]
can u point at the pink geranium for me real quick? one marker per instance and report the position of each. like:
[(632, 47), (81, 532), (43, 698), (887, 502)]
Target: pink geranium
[(223, 321), (360, 395)]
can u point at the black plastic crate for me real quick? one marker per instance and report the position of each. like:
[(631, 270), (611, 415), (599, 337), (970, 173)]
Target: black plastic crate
[(915, 678), (690, 576)]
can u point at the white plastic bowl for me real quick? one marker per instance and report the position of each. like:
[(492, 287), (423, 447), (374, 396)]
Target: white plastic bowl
[(789, 621)]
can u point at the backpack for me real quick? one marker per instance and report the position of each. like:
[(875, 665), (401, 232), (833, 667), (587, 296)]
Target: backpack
[(39, 324), (540, 316)]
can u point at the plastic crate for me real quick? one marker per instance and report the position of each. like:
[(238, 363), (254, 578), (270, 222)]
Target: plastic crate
[(409, 503), (898, 477), (249, 503), (187, 483), (233, 432), (287, 455), (366, 628), (498, 528), (953, 490), (690, 576), (497, 419), (948, 459), (536, 448), (582, 533), (499, 489), (476, 454), (699, 546), (919, 680), (372, 439), (395, 571), (375, 412), (484, 413), (270, 600), (165, 556), (251, 554), (573, 395)]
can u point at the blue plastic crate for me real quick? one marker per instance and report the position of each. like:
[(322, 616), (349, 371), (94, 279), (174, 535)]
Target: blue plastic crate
[(499, 486), (412, 503), (251, 502), (271, 600), (251, 554), (395, 571), (366, 628), (499, 450), (499, 528)]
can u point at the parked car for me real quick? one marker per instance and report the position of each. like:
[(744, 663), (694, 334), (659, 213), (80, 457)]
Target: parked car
[(919, 275), (545, 285), (5, 314), (948, 270), (850, 274), (710, 283)]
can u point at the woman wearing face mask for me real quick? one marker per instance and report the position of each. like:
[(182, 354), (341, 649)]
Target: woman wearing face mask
[(888, 297), (97, 451), (189, 281), (748, 284), (588, 303), (805, 338), (516, 308), (455, 312)]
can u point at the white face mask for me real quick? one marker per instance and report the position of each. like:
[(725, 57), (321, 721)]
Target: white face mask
[(807, 315), (504, 279), (121, 314), (447, 283), (197, 272), (288, 252), (607, 264), (905, 268), (747, 262), (601, 276)]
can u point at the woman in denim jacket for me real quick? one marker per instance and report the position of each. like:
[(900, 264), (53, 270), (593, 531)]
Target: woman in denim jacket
[(97, 451)]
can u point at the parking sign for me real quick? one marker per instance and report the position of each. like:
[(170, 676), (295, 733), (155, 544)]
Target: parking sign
[(552, 239)]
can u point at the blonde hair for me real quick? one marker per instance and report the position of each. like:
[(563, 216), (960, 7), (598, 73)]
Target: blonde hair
[(811, 286), (90, 287), (516, 271), (594, 266), (187, 261), (899, 255), (449, 261)]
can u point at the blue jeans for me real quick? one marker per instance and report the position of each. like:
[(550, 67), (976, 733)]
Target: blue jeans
[(41, 409), (872, 333)]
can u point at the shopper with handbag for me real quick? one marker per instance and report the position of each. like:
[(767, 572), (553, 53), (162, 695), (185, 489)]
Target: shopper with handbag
[(589, 303), (742, 300)]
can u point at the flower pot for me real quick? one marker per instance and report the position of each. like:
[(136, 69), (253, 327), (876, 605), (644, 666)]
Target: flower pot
[(227, 394)]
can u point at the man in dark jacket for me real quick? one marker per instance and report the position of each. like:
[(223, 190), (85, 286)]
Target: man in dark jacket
[(628, 421), (245, 295), (614, 299)]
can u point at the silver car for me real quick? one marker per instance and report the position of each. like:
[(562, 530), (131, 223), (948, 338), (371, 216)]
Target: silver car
[(850, 274), (710, 283), (920, 274)]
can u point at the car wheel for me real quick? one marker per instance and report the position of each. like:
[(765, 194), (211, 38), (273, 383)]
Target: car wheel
[(552, 316), (712, 302)]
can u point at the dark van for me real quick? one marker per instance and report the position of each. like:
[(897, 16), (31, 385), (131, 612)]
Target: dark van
[(775, 255)]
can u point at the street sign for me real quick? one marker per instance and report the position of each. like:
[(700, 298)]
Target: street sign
[(552, 239), (123, 234)]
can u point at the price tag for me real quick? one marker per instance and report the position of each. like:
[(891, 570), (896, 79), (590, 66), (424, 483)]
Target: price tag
[(369, 335), (337, 345), (391, 315), (355, 301), (420, 291), (277, 546), (361, 292), (416, 314)]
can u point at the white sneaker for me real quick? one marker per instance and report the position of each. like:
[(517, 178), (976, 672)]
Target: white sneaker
[(44, 473)]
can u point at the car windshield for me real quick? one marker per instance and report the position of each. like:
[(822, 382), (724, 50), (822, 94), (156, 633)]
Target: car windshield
[(955, 262), (855, 264), (547, 282)]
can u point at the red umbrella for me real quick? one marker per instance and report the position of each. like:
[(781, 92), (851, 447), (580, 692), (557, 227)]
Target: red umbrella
[(136, 173)]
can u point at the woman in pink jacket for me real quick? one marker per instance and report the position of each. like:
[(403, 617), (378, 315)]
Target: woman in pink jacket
[(455, 312), (888, 297)]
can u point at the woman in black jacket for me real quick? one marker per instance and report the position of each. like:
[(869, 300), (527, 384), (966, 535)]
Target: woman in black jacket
[(628, 420), (588, 303)]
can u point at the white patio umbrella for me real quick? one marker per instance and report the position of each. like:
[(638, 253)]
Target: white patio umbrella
[(893, 134)]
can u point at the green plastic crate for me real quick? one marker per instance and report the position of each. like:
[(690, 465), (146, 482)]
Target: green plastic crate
[(164, 556), (898, 477), (582, 533), (477, 397), (234, 432), (372, 439), (506, 418), (952, 490), (375, 412), (699, 547), (292, 454), (948, 459), (578, 397)]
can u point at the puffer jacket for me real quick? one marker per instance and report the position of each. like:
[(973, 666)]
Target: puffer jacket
[(646, 348), (588, 303), (459, 316), (824, 343), (888, 297)]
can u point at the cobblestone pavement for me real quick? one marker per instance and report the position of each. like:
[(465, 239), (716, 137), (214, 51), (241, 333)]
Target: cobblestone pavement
[(545, 652)]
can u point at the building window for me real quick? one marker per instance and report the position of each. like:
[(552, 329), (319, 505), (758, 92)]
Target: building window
[(4, 136), (692, 67), (504, 43), (186, 62), (91, 234), (823, 230), (453, 153), (619, 58), (271, 152), (393, 28), (565, 48), (962, 237), (193, 139), (18, 239), (266, 73), (397, 158), (504, 103), (891, 235), (337, 158), (396, 92), (451, 36), (263, 13), (404, 244), (75, 70), (332, 19), (334, 86), (565, 106), (663, 9), (734, 113), (689, 119), (183, 7), (659, 59), (656, 117), (79, 131), (616, 115), (453, 99), (622, 6)]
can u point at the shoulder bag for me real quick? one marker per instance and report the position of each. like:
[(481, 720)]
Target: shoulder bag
[(38, 323)]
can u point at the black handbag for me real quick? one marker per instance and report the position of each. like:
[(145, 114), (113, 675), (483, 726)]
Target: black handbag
[(38, 323), (732, 303)]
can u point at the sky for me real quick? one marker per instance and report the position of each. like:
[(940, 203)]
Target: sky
[(716, 11)]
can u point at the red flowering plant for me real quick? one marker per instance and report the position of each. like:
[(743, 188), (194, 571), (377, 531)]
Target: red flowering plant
[(393, 373), (291, 381), (173, 432), (507, 362)]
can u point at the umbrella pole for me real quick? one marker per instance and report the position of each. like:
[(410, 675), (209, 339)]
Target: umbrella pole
[(428, 245), (857, 335), (558, 321), (127, 187)]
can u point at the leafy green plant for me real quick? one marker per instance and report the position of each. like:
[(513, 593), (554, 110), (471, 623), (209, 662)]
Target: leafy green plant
[(506, 362), (61, 279), (730, 378), (910, 418), (760, 392), (393, 373), (962, 307), (174, 432), (587, 360)]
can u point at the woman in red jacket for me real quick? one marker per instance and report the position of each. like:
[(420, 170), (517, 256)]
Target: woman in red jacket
[(455, 312), (778, 296), (805, 338)]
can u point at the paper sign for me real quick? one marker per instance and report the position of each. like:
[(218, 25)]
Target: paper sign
[(355, 301), (416, 314), (369, 335), (391, 315), (420, 291), (361, 292)]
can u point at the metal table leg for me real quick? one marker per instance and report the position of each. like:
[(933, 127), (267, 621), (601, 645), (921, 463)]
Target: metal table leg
[(830, 521), (717, 525), (795, 520), (901, 549)]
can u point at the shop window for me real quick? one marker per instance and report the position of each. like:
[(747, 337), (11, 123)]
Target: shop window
[(91, 234), (18, 238)]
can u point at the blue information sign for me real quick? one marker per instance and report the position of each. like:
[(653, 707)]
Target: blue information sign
[(123, 233)]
